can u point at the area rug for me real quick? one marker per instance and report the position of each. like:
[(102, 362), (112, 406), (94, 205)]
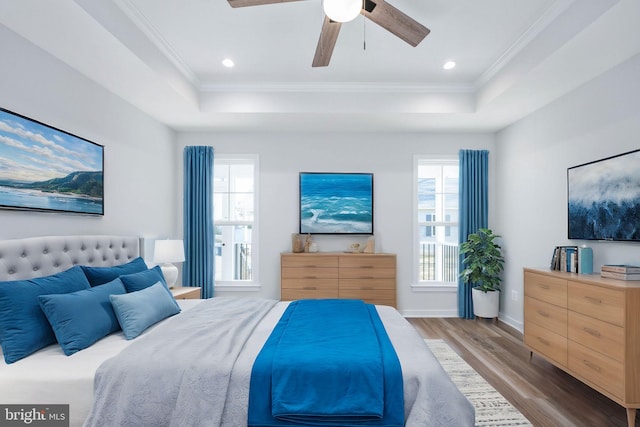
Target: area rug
[(492, 409)]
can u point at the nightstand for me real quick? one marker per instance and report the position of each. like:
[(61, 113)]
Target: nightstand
[(185, 292)]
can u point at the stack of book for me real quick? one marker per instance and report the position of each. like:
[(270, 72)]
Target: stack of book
[(620, 272), (565, 258)]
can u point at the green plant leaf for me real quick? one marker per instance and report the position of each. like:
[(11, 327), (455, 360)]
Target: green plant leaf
[(483, 262)]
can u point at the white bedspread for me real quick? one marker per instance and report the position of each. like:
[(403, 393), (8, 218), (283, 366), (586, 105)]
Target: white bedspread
[(50, 377)]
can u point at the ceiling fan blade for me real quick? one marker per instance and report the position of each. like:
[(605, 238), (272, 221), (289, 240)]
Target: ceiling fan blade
[(395, 21), (326, 43), (244, 3)]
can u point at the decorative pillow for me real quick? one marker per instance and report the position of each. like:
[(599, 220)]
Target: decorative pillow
[(100, 275), (24, 328), (138, 310), (142, 280), (83, 317)]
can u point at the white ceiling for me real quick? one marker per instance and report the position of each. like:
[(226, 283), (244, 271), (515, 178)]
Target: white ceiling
[(164, 57)]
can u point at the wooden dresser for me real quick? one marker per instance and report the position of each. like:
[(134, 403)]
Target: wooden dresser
[(370, 277), (588, 326)]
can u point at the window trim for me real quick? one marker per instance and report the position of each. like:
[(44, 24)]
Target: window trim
[(253, 284), (417, 285)]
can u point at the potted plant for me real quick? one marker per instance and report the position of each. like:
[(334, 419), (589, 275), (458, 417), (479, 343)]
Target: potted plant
[(482, 267)]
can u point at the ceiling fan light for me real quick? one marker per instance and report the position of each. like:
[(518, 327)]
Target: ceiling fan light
[(342, 10)]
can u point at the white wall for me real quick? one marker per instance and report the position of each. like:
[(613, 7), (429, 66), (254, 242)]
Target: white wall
[(599, 119), (389, 156), (139, 175)]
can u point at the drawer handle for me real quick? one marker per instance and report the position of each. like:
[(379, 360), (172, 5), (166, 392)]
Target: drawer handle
[(309, 288), (543, 341), (592, 332), (593, 300), (366, 277), (543, 285), (543, 313), (591, 365), (310, 277), (367, 266)]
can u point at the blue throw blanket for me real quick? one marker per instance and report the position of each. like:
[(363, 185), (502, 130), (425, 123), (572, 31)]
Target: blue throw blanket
[(327, 363)]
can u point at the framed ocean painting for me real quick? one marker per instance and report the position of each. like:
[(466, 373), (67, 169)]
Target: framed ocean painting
[(336, 203), (47, 169), (604, 199)]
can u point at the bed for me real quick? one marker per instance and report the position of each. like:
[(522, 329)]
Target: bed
[(48, 376)]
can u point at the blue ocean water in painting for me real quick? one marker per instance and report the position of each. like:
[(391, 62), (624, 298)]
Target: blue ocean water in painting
[(604, 199), (27, 198), (336, 203)]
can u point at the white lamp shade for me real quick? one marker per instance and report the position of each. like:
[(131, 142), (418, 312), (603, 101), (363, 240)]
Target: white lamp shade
[(168, 251), (342, 10)]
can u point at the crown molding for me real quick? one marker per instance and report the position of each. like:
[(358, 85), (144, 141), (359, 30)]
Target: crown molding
[(141, 21), (537, 27), (340, 87)]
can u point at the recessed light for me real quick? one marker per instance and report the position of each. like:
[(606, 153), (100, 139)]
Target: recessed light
[(449, 65), (228, 63)]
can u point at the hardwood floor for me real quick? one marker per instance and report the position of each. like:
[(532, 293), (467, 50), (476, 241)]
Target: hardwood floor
[(546, 395)]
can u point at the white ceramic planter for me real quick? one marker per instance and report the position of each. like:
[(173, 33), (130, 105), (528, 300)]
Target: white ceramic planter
[(485, 304)]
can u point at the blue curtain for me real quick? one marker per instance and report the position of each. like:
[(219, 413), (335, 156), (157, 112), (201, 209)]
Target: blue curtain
[(474, 211), (198, 219)]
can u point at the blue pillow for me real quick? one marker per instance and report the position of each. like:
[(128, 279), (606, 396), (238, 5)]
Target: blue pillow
[(101, 275), (83, 317), (24, 328), (139, 281), (136, 311)]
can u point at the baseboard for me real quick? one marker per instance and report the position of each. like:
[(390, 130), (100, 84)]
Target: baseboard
[(514, 323), (429, 313)]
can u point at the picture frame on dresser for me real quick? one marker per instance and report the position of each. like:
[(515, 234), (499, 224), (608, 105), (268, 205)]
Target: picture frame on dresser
[(48, 169)]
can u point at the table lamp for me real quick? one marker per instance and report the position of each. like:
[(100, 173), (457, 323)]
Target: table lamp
[(165, 253)]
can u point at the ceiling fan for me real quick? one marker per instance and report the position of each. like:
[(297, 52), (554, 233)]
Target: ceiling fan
[(379, 11)]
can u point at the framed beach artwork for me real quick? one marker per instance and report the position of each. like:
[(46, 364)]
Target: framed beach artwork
[(336, 203), (43, 168), (604, 199)]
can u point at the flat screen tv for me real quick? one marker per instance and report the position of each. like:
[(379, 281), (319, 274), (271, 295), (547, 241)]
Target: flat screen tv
[(604, 199), (47, 169), (336, 203)]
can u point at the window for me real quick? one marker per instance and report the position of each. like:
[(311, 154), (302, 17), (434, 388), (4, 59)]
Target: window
[(235, 218), (436, 211)]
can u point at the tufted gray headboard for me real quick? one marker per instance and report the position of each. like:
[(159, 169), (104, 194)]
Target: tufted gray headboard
[(42, 256)]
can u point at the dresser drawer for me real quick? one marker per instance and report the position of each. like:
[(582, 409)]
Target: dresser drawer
[(545, 342), (309, 273), (293, 294), (600, 370), (549, 289), (368, 284), (597, 335), (378, 296), (368, 261), (596, 301), (547, 315), (367, 273), (310, 284), (308, 261)]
